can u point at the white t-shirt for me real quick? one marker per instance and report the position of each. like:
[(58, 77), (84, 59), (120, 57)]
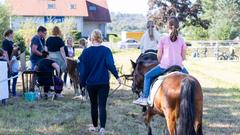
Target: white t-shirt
[(15, 64), (147, 43)]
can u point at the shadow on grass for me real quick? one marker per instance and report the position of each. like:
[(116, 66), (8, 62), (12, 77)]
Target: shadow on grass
[(221, 111), (66, 116)]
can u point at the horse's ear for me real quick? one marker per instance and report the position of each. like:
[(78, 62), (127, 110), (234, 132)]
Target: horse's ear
[(133, 64)]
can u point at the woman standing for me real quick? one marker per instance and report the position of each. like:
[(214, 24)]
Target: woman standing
[(95, 62), (70, 52), (55, 47), (171, 51), (7, 46)]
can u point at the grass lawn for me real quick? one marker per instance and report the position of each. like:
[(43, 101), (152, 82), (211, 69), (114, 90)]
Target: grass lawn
[(220, 82)]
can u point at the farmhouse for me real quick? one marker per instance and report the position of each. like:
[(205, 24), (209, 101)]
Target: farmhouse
[(87, 14)]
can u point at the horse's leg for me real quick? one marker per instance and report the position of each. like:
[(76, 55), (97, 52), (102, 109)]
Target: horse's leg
[(147, 119), (171, 122), (75, 88)]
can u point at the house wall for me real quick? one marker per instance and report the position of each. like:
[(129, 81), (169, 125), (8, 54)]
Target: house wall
[(88, 27), (17, 21)]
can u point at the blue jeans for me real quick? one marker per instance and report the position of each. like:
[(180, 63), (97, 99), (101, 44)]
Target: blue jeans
[(150, 75), (33, 64), (14, 83)]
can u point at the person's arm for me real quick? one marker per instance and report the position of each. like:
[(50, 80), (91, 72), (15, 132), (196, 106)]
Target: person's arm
[(82, 70), (56, 67), (46, 48), (159, 54), (110, 65), (63, 54), (160, 50), (141, 44), (35, 51)]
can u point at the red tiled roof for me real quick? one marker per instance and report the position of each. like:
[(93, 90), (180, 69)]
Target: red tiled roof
[(40, 8), (101, 13)]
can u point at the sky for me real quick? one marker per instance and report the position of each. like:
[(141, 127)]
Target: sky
[(128, 6)]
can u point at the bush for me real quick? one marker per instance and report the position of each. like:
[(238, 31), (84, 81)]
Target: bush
[(76, 35), (114, 39), (20, 41)]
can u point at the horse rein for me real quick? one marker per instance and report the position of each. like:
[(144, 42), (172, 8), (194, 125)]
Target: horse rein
[(111, 94)]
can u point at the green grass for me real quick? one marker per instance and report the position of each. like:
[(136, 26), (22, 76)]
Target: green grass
[(68, 117)]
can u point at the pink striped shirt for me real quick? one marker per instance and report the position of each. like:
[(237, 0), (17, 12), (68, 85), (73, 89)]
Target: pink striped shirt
[(172, 51)]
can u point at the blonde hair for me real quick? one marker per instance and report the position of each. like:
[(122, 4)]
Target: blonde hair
[(96, 36), (56, 31)]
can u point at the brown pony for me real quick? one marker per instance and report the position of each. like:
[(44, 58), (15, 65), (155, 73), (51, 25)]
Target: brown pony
[(179, 98), (74, 76)]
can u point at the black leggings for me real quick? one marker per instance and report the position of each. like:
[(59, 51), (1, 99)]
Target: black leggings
[(98, 96)]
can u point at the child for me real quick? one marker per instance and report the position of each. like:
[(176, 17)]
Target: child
[(83, 43), (171, 51), (70, 52), (14, 67)]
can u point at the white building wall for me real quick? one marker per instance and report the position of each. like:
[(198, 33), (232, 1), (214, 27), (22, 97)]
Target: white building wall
[(88, 27), (18, 21)]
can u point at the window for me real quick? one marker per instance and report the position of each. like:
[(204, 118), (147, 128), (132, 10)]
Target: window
[(92, 8), (73, 6), (51, 6)]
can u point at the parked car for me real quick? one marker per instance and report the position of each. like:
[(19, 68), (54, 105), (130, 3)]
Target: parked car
[(129, 43)]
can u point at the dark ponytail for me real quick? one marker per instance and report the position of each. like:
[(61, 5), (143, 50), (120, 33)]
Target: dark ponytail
[(173, 24)]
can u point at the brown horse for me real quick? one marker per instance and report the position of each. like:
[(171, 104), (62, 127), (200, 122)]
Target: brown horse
[(179, 98), (74, 76)]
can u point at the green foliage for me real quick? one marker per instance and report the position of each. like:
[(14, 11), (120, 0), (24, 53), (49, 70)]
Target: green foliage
[(4, 20), (114, 39), (225, 22), (195, 33), (27, 31), (126, 22), (224, 17), (76, 35), (18, 39)]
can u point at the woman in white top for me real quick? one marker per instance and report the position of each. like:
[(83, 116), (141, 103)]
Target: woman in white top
[(150, 39)]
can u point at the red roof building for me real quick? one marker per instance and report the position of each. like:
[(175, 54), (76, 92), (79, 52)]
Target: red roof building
[(88, 14)]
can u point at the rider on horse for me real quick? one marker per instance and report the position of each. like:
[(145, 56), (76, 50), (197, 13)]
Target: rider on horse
[(171, 51), (150, 38)]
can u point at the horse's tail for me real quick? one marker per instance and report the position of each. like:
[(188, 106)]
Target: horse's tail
[(187, 108)]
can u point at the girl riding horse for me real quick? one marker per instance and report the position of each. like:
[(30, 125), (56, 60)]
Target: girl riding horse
[(179, 97), (171, 51)]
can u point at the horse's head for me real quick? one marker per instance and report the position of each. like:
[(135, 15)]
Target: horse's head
[(139, 69)]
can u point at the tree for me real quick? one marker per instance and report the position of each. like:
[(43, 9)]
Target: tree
[(4, 20), (225, 19), (187, 12)]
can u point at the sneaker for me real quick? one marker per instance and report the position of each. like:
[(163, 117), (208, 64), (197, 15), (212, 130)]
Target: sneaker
[(141, 101), (93, 129), (101, 131)]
